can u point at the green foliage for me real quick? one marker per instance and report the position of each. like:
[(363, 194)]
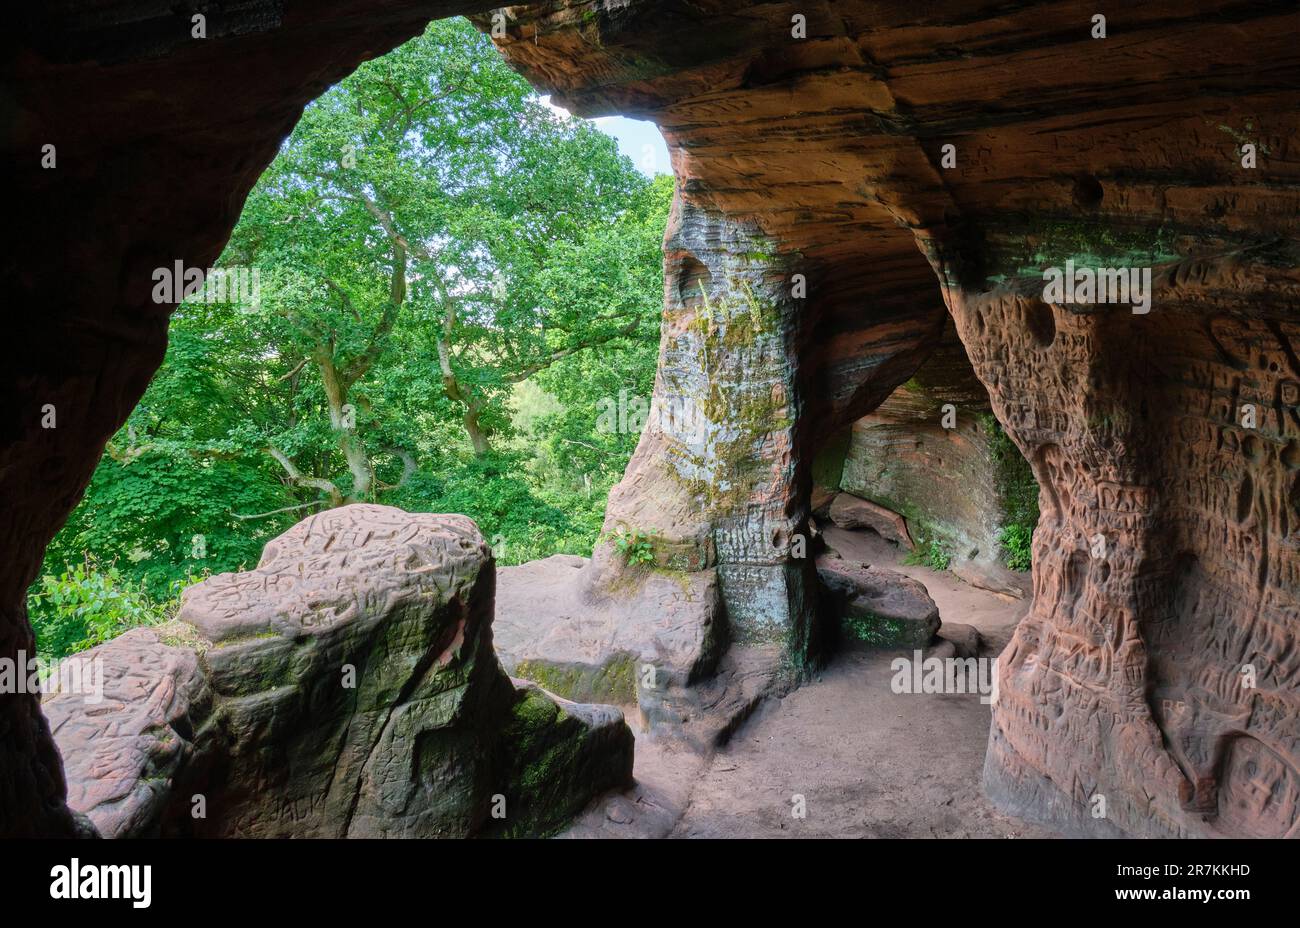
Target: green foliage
[(165, 516), (430, 236), (521, 520), (633, 545), (873, 630), (86, 605), (1015, 541), (621, 371), (931, 549), (451, 279), (1018, 495)]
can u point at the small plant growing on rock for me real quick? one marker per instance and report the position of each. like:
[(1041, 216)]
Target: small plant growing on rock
[(937, 556), (1015, 541), (930, 551), (634, 546)]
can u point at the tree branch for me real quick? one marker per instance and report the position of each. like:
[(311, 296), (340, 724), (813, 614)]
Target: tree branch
[(526, 372), (263, 515), (299, 366), (409, 468), (319, 483)]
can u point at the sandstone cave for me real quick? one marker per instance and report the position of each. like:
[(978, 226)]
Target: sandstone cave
[(889, 426)]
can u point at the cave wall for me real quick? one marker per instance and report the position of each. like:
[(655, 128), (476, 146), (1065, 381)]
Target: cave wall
[(1123, 706), (715, 472), (158, 137), (1155, 677), (853, 302), (934, 453)]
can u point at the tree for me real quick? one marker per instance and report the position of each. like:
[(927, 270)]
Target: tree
[(622, 267), (430, 203), (429, 238)]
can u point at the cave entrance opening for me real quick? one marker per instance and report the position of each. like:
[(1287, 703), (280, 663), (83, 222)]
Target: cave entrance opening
[(930, 487), (922, 582), (434, 295)]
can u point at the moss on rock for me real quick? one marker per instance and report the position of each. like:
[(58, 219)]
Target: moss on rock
[(1017, 494), (614, 682), (553, 761)]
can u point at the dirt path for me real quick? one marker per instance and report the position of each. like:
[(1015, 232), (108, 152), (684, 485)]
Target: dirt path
[(868, 762)]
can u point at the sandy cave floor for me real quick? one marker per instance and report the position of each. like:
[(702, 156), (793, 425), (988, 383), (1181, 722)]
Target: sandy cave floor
[(869, 763)]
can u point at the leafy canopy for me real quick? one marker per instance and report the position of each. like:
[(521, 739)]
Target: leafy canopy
[(452, 279)]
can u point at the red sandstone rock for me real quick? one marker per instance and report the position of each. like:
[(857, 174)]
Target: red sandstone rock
[(832, 146), (849, 511), (123, 747), (346, 687), (875, 607), (966, 639), (820, 156), (931, 449)]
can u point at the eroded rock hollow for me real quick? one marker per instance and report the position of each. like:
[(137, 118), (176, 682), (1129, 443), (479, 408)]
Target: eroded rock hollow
[(1155, 673), (851, 176)]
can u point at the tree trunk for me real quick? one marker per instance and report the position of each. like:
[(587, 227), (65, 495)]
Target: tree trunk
[(477, 437), (354, 452)]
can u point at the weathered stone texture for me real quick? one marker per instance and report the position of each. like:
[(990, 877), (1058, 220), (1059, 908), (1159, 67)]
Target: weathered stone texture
[(1126, 678), (123, 747), (942, 479), (933, 453), (346, 687), (820, 156), (714, 484), (1157, 666), (852, 512), (159, 137), (874, 607)]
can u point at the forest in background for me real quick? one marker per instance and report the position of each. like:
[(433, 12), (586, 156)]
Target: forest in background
[(455, 286)]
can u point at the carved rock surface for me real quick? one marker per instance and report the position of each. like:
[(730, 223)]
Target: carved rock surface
[(1162, 674), (354, 692), (122, 747), (1167, 558), (824, 157)]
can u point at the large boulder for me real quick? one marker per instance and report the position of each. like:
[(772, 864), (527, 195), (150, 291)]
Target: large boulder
[(125, 736), (873, 607), (854, 512), (348, 688), (653, 640)]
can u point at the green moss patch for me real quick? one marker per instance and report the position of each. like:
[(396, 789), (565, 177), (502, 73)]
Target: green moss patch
[(614, 682), (869, 630), (553, 764)]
